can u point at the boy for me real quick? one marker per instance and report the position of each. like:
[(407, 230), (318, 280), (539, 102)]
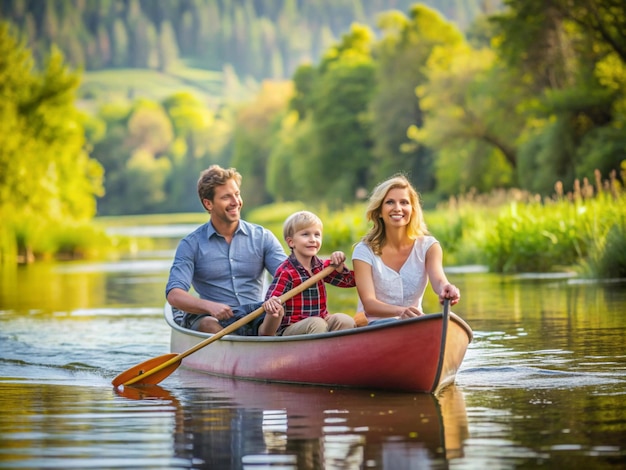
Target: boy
[(306, 313)]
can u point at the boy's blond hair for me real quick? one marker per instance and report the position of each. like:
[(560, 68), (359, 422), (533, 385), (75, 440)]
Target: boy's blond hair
[(298, 221)]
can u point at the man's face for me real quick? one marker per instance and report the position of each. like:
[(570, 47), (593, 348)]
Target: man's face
[(226, 204)]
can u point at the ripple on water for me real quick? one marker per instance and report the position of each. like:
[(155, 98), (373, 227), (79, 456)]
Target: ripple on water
[(528, 378)]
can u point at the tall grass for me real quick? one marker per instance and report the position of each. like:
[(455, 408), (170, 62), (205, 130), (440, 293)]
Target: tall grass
[(583, 230), (508, 231)]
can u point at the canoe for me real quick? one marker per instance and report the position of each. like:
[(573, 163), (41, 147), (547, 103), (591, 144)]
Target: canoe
[(422, 354)]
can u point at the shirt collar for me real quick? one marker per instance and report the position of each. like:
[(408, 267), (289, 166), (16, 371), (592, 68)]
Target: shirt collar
[(241, 228), (316, 264)]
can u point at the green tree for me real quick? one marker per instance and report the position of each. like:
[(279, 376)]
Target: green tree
[(167, 49), (46, 176), (402, 55), (255, 127), (561, 49), (194, 126), (147, 176), (341, 126), (472, 120), (44, 168), (134, 153), (332, 144), (113, 153), (120, 44)]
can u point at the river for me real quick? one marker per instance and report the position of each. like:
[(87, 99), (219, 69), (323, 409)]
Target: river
[(543, 384)]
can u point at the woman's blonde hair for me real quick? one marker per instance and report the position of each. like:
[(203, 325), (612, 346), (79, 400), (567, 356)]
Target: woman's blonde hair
[(298, 221), (375, 237)]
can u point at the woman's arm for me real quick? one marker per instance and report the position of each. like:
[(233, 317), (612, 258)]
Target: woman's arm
[(438, 280), (367, 294)]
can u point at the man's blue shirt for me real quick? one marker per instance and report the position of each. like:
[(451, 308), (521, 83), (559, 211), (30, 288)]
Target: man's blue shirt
[(227, 273)]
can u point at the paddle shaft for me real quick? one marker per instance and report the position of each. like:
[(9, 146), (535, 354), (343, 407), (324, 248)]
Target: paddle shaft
[(445, 319), (233, 326)]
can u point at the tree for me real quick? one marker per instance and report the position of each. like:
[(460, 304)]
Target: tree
[(44, 168), (167, 50), (472, 119), (194, 134), (253, 137), (331, 145), (134, 154), (402, 55), (571, 95), (46, 176), (120, 44), (341, 128)]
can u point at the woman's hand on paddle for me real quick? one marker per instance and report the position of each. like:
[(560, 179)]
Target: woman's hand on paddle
[(274, 307), (451, 292)]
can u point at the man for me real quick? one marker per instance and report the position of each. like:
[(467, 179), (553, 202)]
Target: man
[(224, 259)]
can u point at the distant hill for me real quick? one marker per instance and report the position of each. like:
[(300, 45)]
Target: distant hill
[(257, 39), (115, 85)]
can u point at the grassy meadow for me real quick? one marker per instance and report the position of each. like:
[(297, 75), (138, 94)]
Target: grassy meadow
[(126, 85)]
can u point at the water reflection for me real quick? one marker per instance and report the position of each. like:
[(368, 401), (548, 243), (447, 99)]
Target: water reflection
[(224, 423)]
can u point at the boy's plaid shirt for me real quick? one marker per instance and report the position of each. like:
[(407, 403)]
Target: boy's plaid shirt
[(312, 301)]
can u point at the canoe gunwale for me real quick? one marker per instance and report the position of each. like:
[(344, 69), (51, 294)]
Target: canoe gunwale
[(331, 334)]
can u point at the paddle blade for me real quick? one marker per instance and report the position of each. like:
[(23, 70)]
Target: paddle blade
[(140, 369), (148, 392)]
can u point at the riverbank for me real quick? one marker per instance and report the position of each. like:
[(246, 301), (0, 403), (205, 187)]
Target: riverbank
[(508, 231)]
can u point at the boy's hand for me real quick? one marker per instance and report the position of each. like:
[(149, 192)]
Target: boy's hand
[(338, 258), (273, 307)]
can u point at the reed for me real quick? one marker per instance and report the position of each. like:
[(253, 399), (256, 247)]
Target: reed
[(583, 230)]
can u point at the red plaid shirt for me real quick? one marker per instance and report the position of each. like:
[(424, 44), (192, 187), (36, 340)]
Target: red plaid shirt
[(312, 301)]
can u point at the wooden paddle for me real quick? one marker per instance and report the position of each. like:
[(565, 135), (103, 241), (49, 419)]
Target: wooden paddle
[(154, 370), (445, 319)]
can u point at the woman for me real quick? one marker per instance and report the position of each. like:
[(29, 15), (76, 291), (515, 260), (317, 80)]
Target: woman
[(397, 258)]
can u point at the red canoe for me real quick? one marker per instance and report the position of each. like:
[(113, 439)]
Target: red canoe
[(417, 355)]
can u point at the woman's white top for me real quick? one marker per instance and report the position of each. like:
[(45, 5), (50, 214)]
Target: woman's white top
[(404, 288)]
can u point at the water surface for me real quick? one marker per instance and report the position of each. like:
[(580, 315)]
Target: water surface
[(543, 383)]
